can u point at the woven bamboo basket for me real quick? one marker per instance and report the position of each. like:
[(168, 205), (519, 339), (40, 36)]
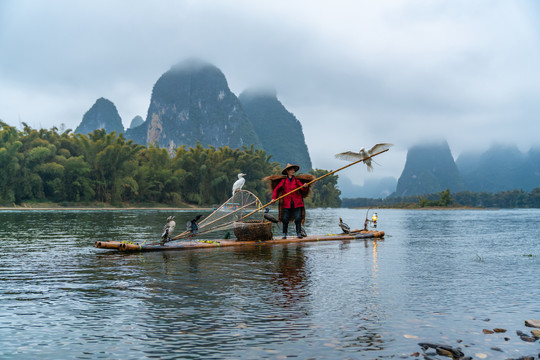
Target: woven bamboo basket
[(250, 230)]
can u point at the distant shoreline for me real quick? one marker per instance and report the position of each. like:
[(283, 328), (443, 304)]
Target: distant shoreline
[(432, 208), (103, 208), (50, 206), (53, 206)]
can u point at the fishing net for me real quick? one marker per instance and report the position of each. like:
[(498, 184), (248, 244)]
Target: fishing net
[(242, 206)]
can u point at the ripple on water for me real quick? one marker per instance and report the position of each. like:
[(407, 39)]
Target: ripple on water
[(437, 277)]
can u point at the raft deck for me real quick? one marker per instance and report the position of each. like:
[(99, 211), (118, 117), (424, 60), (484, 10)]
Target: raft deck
[(203, 244)]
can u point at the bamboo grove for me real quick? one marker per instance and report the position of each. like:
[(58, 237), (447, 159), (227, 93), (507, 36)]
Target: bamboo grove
[(63, 167)]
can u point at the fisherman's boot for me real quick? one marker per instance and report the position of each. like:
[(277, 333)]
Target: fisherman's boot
[(299, 232)]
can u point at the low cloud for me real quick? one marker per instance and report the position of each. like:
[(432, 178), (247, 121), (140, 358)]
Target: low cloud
[(354, 73)]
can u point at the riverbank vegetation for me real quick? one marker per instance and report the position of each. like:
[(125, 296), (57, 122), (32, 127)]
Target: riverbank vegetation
[(446, 199), (99, 169)]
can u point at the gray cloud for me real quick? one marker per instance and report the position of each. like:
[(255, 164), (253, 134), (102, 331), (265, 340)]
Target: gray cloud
[(353, 72)]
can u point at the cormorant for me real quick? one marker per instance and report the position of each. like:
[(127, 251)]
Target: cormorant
[(346, 229), (192, 225), (168, 229), (269, 216)]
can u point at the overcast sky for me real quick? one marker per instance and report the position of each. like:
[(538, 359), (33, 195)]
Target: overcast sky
[(354, 73)]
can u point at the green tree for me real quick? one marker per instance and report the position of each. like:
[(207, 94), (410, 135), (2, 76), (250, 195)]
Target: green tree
[(9, 162), (49, 165), (325, 191), (78, 185), (444, 198), (115, 164), (155, 177)]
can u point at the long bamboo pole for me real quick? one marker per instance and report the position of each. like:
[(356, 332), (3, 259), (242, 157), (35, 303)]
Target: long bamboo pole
[(313, 181), (183, 234)]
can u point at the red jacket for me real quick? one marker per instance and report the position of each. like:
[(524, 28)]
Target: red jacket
[(285, 186)]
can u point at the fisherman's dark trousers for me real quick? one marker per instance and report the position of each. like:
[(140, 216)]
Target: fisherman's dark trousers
[(286, 216)]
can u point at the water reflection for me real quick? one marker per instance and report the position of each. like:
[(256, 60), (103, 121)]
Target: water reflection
[(345, 245), (374, 252), (60, 297), (290, 278)]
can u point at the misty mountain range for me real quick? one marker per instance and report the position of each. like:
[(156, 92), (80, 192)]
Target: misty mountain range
[(430, 168), (500, 168), (191, 103)]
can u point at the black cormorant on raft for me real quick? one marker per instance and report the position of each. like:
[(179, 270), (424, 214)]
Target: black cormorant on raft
[(269, 216), (192, 227), (202, 244), (346, 228)]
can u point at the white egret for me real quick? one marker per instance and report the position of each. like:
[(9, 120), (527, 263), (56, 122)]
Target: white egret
[(237, 186), (363, 154)]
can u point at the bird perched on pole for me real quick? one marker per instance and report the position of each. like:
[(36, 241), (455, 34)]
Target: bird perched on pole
[(363, 154), (270, 217), (192, 226), (346, 229), (168, 230), (237, 186)]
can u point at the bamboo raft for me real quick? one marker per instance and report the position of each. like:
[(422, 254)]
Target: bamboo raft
[(203, 244)]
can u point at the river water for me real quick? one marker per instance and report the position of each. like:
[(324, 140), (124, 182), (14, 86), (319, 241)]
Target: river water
[(439, 277)]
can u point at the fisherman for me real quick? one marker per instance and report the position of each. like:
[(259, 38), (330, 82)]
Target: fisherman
[(293, 204)]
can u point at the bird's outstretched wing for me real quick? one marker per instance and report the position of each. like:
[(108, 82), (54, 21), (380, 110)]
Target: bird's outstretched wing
[(379, 147), (349, 155)]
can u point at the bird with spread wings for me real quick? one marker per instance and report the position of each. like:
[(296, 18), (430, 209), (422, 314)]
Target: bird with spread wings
[(363, 154)]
